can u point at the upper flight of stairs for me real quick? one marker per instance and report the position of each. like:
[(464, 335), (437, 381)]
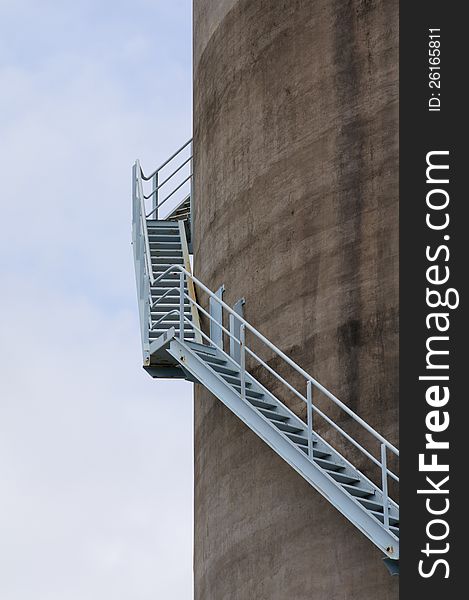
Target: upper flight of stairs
[(196, 353), (166, 250)]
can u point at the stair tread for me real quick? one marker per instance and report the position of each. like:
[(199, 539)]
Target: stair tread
[(358, 490), (328, 465), (317, 453), (249, 392), (204, 348), (299, 439), (286, 426), (271, 414), (261, 403), (234, 380), (342, 477), (224, 370), (380, 516), (371, 504)]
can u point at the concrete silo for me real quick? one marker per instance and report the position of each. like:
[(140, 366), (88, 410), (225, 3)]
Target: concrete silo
[(296, 187)]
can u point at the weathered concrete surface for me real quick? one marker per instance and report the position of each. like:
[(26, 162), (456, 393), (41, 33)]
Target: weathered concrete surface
[(295, 128)]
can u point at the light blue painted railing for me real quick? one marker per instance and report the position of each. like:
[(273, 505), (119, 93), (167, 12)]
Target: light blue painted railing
[(310, 383)]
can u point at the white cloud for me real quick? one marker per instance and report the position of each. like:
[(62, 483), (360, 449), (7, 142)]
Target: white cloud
[(95, 492)]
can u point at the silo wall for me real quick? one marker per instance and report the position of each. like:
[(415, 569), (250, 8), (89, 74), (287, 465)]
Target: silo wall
[(296, 187)]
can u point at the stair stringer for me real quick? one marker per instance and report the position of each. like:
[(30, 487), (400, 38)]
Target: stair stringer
[(345, 503)]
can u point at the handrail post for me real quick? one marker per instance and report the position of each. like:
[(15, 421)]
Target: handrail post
[(242, 347), (191, 201), (181, 306), (309, 409), (384, 480), (155, 195), (134, 202)]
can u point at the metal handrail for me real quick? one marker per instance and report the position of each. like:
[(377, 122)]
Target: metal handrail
[(205, 336), (288, 360), (186, 161), (148, 177), (291, 388), (168, 178), (144, 226), (269, 344), (169, 195)]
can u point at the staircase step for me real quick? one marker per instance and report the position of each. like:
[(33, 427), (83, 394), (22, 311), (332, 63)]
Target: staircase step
[(371, 505), (169, 303), (156, 250), (208, 354), (273, 415), (170, 265), (223, 370), (165, 249), (299, 439), (173, 290), (316, 453), (343, 477), (328, 465), (173, 275), (171, 300), (161, 226), (161, 329), (212, 360), (172, 322), (235, 381), (302, 440), (165, 237), (380, 517), (167, 281), (286, 426), (167, 228), (158, 312), (159, 223), (154, 333), (169, 322), (261, 403), (165, 285), (205, 348), (249, 392), (164, 253), (165, 242), (359, 491), (163, 307)]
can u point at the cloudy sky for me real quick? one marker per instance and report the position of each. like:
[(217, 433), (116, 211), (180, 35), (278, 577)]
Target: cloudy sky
[(95, 457)]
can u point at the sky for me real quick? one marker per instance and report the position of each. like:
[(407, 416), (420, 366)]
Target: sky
[(95, 456)]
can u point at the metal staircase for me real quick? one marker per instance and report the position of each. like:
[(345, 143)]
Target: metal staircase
[(223, 353)]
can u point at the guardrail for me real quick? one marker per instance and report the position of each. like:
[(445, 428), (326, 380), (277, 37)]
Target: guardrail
[(171, 185), (384, 446), (172, 180)]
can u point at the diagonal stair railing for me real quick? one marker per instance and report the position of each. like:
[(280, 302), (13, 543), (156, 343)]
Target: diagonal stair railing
[(384, 447), (171, 182)]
